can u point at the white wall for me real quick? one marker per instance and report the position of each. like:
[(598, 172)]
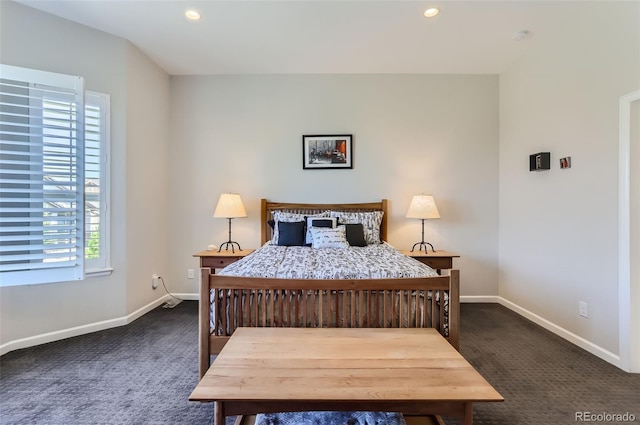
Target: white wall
[(147, 177), (412, 134), (31, 314), (558, 239)]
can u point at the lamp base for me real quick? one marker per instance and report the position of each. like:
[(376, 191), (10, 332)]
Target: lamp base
[(229, 243), (421, 245)]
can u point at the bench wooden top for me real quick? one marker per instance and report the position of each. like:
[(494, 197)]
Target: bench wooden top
[(341, 364)]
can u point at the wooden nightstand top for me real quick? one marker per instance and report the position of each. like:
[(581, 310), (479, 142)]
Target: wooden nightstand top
[(439, 260), (224, 253), (422, 254)]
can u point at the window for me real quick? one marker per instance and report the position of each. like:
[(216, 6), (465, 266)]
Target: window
[(48, 231)]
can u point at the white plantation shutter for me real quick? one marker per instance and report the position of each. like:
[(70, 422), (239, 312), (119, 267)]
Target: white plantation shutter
[(41, 176)]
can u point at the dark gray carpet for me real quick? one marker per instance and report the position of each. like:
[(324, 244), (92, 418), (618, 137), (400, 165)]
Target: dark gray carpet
[(143, 373), (543, 378)]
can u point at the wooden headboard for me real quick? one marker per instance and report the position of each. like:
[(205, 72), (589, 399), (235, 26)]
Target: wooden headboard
[(267, 207)]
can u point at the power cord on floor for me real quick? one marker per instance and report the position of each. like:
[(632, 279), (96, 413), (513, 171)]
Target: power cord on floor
[(169, 304)]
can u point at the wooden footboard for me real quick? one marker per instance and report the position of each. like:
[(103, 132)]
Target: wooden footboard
[(245, 301)]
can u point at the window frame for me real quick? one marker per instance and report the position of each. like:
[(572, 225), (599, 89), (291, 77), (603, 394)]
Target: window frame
[(101, 266)]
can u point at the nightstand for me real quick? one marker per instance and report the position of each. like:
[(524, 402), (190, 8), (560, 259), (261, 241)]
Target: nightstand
[(217, 260), (439, 260)]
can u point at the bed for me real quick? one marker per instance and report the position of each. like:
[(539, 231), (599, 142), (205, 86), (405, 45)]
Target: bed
[(314, 300)]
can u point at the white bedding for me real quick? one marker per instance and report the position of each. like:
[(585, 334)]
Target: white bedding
[(376, 261)]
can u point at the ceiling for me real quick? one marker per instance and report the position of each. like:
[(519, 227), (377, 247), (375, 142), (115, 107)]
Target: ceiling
[(322, 36)]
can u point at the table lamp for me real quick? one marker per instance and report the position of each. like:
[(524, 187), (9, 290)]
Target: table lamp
[(230, 206), (423, 207)]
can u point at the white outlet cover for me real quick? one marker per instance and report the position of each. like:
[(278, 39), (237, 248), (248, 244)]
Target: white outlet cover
[(582, 309)]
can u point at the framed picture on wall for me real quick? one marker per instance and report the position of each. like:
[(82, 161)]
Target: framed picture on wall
[(327, 151)]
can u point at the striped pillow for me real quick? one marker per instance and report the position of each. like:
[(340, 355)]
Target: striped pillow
[(371, 222)]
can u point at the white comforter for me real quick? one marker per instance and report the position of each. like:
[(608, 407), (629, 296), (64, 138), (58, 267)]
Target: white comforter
[(379, 261)]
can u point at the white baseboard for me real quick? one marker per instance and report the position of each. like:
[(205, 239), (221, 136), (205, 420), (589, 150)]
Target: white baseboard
[(80, 330), (592, 348), (479, 299), (586, 345), (188, 297)]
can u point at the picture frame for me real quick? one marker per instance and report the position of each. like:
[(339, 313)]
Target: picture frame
[(327, 151)]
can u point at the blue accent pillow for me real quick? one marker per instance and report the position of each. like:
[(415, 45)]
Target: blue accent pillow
[(291, 234)]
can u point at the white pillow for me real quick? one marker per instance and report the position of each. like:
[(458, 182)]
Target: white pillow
[(371, 221), (310, 220), (289, 218), (325, 237)]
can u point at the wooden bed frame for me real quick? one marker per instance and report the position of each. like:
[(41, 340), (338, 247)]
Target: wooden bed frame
[(250, 301)]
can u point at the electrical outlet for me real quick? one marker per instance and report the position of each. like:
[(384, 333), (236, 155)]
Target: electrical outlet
[(190, 274), (582, 309), (155, 281)]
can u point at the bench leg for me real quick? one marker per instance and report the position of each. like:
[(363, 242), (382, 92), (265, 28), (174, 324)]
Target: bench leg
[(468, 413), (218, 414)]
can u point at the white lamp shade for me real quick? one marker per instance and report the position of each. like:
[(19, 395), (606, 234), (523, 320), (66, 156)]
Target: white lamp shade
[(424, 207), (230, 206)]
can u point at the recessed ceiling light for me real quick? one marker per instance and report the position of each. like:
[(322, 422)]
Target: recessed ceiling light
[(192, 15), (521, 35), (431, 12)]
